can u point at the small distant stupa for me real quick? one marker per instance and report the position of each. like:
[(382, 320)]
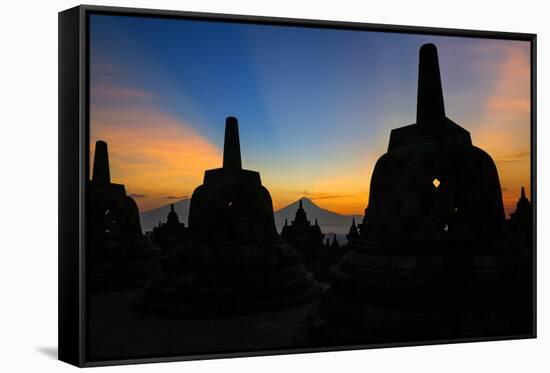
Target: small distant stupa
[(235, 260), (334, 244), (520, 223), (353, 234), (169, 234), (431, 260), (307, 239), (301, 234), (118, 254)]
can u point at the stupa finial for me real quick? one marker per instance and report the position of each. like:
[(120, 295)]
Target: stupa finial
[(101, 171), (430, 106), (231, 146)]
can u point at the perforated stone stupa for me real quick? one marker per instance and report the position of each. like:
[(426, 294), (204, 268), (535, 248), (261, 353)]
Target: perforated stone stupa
[(117, 252), (432, 260), (235, 261)]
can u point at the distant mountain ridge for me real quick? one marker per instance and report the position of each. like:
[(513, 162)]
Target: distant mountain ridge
[(329, 221)]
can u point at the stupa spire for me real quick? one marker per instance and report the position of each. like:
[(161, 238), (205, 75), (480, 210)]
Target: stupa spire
[(101, 171), (430, 106), (231, 146), (522, 192)]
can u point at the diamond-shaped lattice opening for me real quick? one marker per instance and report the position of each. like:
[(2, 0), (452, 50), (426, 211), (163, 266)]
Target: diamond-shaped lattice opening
[(436, 183)]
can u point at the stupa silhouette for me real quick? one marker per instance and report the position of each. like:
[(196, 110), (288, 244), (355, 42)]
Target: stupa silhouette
[(520, 223), (353, 234), (307, 239), (117, 252), (169, 234), (431, 261), (235, 261)]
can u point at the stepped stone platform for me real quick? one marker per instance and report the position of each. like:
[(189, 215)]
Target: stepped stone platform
[(116, 330)]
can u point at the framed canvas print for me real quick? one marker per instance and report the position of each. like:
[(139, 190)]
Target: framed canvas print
[(239, 186)]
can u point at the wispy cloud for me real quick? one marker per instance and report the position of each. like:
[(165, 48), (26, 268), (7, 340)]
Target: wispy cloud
[(137, 195), (519, 156), (114, 92), (318, 196), (504, 129), (154, 154), (178, 197)]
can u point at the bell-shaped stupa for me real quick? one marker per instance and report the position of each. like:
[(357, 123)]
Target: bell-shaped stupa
[(234, 261), (431, 260), (118, 255)]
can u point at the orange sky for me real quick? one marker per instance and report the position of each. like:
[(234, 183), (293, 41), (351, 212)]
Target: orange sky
[(504, 131), (158, 158), (161, 159)]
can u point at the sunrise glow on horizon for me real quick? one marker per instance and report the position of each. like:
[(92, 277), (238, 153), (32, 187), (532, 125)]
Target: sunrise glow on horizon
[(315, 106)]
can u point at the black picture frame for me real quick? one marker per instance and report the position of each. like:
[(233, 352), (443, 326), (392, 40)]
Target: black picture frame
[(74, 160)]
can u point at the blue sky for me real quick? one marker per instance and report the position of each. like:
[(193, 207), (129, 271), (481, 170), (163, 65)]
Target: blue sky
[(315, 106)]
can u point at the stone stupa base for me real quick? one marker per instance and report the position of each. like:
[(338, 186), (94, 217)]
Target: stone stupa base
[(378, 298), (125, 267), (107, 276), (227, 280)]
